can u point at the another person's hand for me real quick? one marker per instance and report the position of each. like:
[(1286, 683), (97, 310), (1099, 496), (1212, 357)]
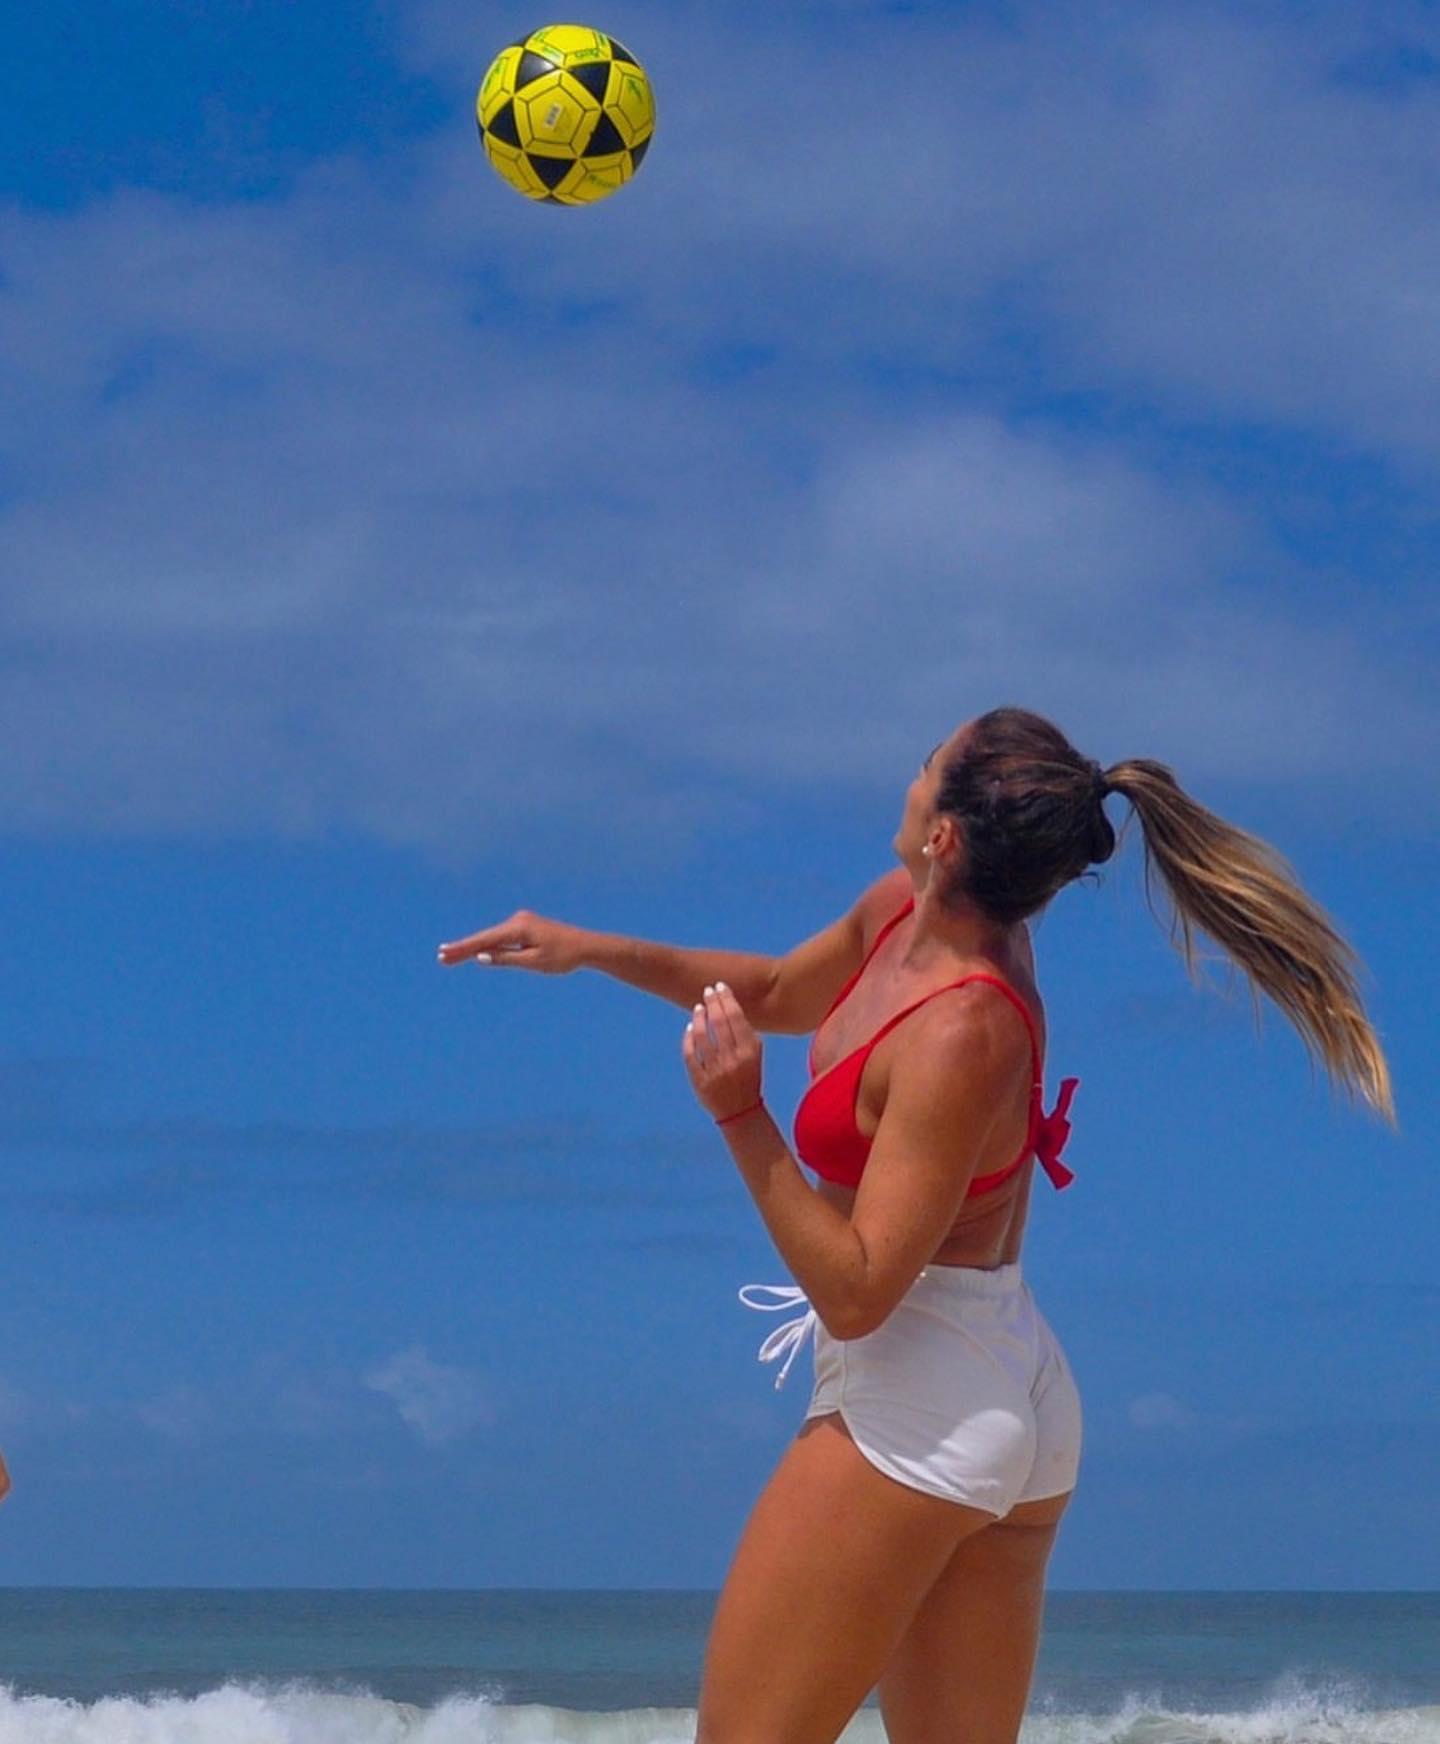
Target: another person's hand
[(525, 941), (4, 1479)]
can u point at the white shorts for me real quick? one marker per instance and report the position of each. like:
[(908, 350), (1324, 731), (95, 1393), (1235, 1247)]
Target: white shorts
[(963, 1391)]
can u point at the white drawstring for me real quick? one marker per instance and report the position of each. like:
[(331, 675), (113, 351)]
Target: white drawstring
[(792, 1334)]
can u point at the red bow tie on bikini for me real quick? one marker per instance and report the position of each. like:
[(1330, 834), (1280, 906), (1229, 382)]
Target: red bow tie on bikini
[(1054, 1130)]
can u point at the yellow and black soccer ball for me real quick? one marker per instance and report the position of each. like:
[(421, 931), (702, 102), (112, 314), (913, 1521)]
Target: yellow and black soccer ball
[(566, 115)]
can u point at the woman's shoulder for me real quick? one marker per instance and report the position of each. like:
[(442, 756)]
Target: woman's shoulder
[(880, 902)]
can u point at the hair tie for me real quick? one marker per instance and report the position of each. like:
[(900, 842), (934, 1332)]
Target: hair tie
[(1099, 778)]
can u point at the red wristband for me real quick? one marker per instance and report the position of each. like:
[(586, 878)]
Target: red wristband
[(750, 1110)]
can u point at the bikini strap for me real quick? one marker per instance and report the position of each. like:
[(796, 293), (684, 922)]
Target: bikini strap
[(976, 975), (849, 986), (1037, 1084), (880, 938)]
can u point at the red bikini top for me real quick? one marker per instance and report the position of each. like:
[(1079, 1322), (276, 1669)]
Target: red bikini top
[(829, 1141)]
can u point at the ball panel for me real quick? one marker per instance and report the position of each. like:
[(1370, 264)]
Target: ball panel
[(600, 176), (498, 85), (604, 139), (570, 44), (594, 76), (555, 113), (532, 66), (502, 124), (514, 167), (549, 171), (632, 99), (623, 132)]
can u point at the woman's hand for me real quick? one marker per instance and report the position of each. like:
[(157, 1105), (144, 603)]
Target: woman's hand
[(525, 941), (722, 1054)]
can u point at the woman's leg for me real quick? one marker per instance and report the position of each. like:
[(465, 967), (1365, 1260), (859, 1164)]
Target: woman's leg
[(964, 1665), (831, 1568)]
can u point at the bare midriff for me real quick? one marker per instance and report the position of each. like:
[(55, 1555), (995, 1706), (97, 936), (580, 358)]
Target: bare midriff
[(988, 1230)]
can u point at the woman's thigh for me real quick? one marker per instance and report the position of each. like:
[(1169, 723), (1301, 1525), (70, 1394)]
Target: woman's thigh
[(830, 1569), (964, 1665)]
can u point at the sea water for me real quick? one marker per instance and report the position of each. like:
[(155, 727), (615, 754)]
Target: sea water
[(163, 1666)]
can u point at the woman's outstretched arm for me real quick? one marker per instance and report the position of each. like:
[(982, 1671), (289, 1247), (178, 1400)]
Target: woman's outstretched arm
[(680, 973)]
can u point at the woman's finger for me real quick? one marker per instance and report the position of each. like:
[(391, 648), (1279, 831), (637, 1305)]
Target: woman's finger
[(718, 1005), (700, 1027), (459, 949), (492, 940)]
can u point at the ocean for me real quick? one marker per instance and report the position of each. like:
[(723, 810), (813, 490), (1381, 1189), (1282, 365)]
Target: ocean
[(143, 1665)]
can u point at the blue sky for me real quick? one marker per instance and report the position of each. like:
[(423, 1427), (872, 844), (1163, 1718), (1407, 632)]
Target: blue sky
[(381, 553)]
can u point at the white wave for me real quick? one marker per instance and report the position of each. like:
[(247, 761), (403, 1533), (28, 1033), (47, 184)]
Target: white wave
[(297, 1713), (1293, 1711)]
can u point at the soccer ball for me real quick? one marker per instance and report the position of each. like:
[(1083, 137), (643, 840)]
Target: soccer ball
[(566, 115)]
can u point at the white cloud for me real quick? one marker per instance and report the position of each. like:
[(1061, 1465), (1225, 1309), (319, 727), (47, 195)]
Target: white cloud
[(1190, 200), (1161, 1411), (281, 1393), (335, 512), (437, 1400), (277, 1393)]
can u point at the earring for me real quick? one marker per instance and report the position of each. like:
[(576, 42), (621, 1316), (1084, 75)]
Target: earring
[(925, 849)]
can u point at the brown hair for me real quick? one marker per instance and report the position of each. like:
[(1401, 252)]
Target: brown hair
[(1033, 813)]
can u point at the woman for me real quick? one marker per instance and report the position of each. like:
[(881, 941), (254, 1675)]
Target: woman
[(903, 1539)]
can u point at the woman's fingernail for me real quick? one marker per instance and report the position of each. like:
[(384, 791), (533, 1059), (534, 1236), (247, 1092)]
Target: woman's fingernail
[(482, 956)]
